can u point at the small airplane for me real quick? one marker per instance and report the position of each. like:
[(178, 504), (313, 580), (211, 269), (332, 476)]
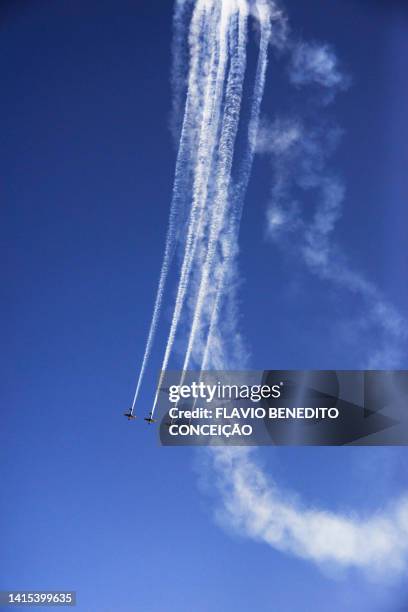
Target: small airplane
[(130, 416), (149, 419)]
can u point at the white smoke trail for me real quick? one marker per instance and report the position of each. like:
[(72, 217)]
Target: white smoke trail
[(256, 508), (209, 130), (193, 110), (218, 221), (178, 71), (264, 15)]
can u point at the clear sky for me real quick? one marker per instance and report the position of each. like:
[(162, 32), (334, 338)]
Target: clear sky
[(90, 502)]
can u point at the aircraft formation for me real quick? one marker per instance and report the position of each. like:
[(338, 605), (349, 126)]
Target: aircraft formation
[(131, 417)]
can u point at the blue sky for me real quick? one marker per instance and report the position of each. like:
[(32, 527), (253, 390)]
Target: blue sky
[(91, 502)]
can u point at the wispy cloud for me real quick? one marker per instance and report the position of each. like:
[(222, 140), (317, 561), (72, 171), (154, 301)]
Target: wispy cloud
[(316, 63), (280, 137), (255, 507), (300, 155)]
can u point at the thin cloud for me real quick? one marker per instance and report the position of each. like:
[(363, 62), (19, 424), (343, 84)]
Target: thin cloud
[(300, 155), (314, 63), (279, 137), (255, 508)]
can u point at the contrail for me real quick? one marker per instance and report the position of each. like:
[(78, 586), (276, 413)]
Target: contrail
[(178, 71), (210, 123), (245, 172), (223, 44), (223, 177), (184, 153)]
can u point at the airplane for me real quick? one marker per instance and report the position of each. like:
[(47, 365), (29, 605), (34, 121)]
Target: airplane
[(129, 415), (149, 419)]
